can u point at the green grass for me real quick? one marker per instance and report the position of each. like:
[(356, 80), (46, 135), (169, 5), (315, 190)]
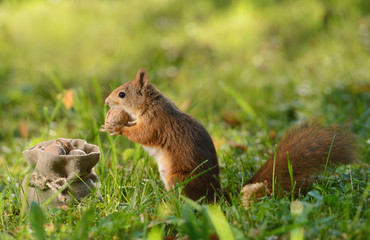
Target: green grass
[(246, 69)]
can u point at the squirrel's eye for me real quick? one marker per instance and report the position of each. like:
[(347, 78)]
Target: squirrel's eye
[(121, 95)]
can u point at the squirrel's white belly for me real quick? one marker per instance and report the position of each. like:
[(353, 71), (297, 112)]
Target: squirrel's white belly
[(157, 153)]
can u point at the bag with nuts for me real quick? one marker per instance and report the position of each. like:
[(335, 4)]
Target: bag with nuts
[(62, 171)]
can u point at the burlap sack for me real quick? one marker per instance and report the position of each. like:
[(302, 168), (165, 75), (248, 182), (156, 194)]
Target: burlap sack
[(53, 172)]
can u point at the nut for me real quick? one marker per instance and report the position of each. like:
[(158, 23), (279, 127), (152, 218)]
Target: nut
[(117, 116), (55, 149), (77, 152), (64, 143)]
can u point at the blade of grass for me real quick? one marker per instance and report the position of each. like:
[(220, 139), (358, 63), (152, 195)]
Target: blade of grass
[(247, 109), (220, 223), (52, 197), (155, 233), (82, 229), (37, 221), (57, 106), (57, 83), (327, 159), (292, 183), (363, 200), (273, 172)]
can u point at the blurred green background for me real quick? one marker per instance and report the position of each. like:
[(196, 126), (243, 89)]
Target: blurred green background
[(247, 64), (246, 69)]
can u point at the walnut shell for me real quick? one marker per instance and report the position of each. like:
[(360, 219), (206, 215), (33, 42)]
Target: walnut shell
[(64, 143), (117, 116), (77, 152), (55, 149)]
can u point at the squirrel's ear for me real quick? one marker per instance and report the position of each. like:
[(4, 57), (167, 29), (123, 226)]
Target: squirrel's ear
[(142, 78)]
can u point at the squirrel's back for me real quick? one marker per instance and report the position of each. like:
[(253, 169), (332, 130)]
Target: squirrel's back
[(187, 144), (310, 147)]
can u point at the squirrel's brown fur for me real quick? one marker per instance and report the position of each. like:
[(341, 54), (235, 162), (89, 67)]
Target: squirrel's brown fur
[(307, 146), (183, 148)]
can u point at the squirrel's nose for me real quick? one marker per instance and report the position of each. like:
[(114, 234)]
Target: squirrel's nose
[(106, 102)]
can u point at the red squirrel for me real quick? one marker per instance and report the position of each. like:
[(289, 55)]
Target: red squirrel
[(183, 148)]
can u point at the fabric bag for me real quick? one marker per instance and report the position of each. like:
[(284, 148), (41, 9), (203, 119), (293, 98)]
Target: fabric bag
[(68, 177)]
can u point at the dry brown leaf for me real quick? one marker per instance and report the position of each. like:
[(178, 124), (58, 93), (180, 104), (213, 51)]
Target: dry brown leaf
[(231, 119), (49, 227), (68, 99), (218, 141), (239, 146), (213, 236), (23, 129), (185, 106), (360, 88), (272, 134), (64, 207)]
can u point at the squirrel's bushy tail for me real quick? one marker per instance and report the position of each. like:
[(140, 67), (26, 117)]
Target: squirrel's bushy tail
[(307, 146)]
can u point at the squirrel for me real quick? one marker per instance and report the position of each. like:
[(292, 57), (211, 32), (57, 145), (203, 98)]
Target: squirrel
[(182, 147), (184, 151)]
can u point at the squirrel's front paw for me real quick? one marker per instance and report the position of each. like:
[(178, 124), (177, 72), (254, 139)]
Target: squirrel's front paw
[(113, 129)]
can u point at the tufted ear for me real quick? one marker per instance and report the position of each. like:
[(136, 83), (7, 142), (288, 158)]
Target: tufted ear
[(142, 78)]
